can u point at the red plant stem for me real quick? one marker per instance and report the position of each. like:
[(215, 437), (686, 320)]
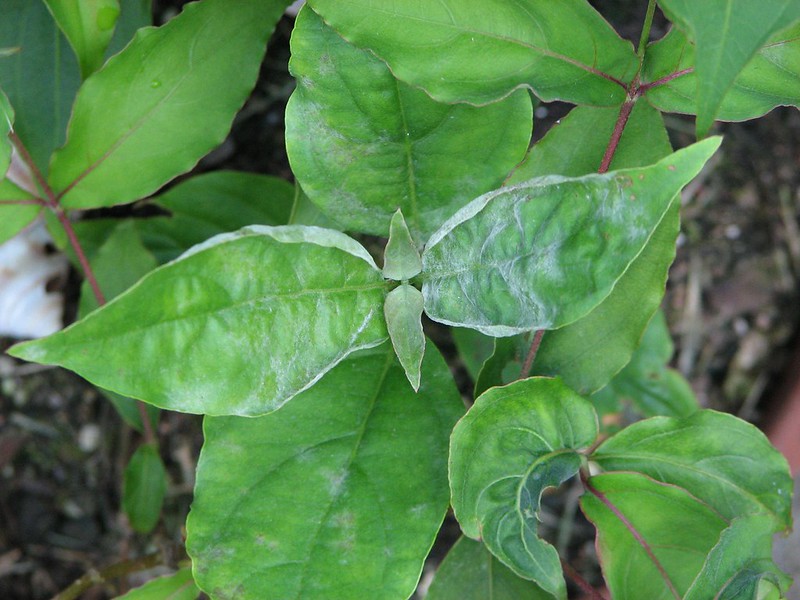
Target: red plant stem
[(528, 364), (51, 201), (632, 530), (616, 135), (664, 80), (580, 581)]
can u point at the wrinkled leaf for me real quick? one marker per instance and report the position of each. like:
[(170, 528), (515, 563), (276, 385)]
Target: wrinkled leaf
[(739, 562), (470, 572), (144, 486), (728, 33), (178, 586), (677, 528), (330, 505), (89, 27), (403, 312), (477, 51), (15, 217), (719, 459), (513, 443), (768, 80), (212, 203), (646, 383), (253, 317), (363, 144), (401, 258), (162, 103), (587, 353), (542, 254), (40, 79)]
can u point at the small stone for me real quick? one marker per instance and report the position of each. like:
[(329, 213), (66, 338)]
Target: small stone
[(89, 438)]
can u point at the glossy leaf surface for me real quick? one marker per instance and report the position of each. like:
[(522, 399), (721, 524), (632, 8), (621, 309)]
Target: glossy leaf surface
[(178, 586), (477, 51), (513, 443), (660, 547), (727, 34), (212, 203), (254, 316), (401, 258), (363, 144), (144, 486), (89, 27), (41, 78), (768, 80), (162, 103), (330, 505), (403, 312), (470, 572), (14, 217), (719, 459), (739, 562), (542, 254)]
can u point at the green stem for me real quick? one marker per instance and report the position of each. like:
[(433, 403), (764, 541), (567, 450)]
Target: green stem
[(648, 23)]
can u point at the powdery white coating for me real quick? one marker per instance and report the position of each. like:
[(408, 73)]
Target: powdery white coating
[(543, 253), (289, 234)]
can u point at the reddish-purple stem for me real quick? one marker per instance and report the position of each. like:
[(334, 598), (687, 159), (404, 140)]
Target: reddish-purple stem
[(52, 202), (580, 581), (616, 135), (664, 80), (528, 364), (632, 530)]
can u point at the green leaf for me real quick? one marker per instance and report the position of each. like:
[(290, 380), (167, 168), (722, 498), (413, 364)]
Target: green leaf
[(470, 572), (128, 410), (740, 561), (253, 317), (134, 14), (89, 27), (473, 349), (513, 443), (162, 103), (144, 486), (305, 212), (659, 547), (719, 459), (6, 125), (575, 145), (363, 144), (119, 263), (403, 312), (728, 33), (401, 260), (478, 52), (331, 504), (15, 217), (768, 80), (178, 586), (41, 79), (542, 254), (646, 382), (588, 353), (212, 203)]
